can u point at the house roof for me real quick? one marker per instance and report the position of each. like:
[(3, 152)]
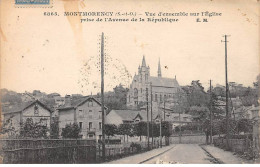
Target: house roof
[(22, 106), (129, 115), (243, 109), (163, 82), (76, 102)]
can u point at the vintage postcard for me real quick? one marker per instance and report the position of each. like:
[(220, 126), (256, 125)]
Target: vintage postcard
[(129, 82)]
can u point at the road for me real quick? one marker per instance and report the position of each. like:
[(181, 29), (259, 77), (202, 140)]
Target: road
[(182, 154)]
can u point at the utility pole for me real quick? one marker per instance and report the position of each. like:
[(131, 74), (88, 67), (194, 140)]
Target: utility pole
[(148, 144), (210, 111), (164, 108), (227, 112), (152, 112), (102, 98), (160, 126), (180, 127)]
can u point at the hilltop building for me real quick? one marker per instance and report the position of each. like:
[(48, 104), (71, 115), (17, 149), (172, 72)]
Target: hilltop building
[(158, 88)]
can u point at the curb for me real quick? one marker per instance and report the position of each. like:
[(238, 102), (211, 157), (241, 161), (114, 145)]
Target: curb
[(156, 155), (216, 160)]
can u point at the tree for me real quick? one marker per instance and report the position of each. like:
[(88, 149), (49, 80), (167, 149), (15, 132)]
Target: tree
[(218, 112), (140, 129), (110, 130), (29, 129), (8, 128), (116, 99), (244, 125), (54, 132), (166, 128), (125, 129), (71, 131), (200, 114)]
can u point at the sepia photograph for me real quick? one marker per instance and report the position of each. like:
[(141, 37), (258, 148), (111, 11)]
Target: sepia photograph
[(129, 82)]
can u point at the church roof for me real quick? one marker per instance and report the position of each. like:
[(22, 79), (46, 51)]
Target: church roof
[(163, 82), (143, 62)]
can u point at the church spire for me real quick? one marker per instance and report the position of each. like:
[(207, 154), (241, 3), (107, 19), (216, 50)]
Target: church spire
[(159, 69), (143, 62)]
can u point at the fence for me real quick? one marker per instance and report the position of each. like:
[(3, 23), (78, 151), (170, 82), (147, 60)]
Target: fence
[(235, 145), (48, 151), (116, 151), (188, 139)]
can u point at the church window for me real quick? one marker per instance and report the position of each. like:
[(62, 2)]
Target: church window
[(141, 90), (135, 93), (129, 98), (155, 97), (160, 97), (146, 77)]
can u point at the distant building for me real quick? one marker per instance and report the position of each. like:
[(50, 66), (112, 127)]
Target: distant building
[(27, 97), (118, 117), (143, 84), (86, 112), (59, 101), (248, 112), (35, 110)]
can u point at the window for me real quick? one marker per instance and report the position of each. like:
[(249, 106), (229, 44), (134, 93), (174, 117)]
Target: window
[(90, 125), (80, 113), (100, 125), (90, 136), (141, 90), (90, 111), (129, 98), (155, 97), (160, 97), (36, 110), (80, 125)]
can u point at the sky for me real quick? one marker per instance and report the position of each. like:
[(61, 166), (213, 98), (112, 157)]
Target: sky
[(60, 54)]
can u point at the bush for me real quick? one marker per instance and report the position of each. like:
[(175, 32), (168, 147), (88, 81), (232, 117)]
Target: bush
[(29, 129), (71, 131), (137, 146)]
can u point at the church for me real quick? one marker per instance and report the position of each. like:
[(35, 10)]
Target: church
[(155, 90)]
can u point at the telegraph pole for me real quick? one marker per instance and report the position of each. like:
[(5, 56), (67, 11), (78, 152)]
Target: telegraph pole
[(210, 111), (164, 108), (152, 113), (102, 98), (160, 126), (227, 112), (147, 118)]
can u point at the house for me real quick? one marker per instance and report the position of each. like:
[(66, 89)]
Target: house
[(245, 112), (36, 110), (86, 112), (118, 117), (176, 119)]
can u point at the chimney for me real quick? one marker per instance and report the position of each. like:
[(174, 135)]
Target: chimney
[(67, 101)]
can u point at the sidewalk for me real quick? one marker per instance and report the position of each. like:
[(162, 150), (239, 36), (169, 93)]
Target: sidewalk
[(138, 158), (226, 157)]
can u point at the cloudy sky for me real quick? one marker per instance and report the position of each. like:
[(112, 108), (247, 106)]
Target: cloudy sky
[(60, 54)]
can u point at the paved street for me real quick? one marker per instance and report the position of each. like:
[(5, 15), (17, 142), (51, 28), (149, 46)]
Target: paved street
[(183, 154)]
